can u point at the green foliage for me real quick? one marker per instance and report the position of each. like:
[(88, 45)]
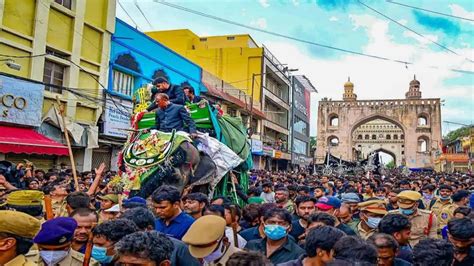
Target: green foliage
[(458, 133), (312, 142), (390, 165)]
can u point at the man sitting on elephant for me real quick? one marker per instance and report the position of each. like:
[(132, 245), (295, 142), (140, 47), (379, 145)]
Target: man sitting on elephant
[(171, 116)]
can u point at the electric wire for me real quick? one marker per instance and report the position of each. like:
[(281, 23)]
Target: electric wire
[(143, 14), (430, 11), (413, 31), (383, 58), (130, 17)]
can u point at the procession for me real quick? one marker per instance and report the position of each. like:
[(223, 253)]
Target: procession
[(128, 138)]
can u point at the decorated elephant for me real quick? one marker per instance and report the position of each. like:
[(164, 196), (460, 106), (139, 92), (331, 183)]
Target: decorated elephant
[(152, 158)]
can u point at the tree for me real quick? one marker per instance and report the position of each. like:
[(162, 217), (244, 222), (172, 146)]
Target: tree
[(390, 165), (458, 133)]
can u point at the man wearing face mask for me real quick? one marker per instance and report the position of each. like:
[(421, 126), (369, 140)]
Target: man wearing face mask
[(371, 212), (54, 244), (213, 247), (428, 196), (461, 235), (424, 223), (276, 246), (106, 235), (444, 207), (17, 230)]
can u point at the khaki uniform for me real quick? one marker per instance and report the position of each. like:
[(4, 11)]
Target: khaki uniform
[(362, 233), (59, 208), (419, 226), (19, 260), (223, 260), (427, 202), (444, 211), (74, 258)]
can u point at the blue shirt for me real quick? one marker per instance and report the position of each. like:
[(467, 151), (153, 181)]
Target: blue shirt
[(174, 116), (177, 227)]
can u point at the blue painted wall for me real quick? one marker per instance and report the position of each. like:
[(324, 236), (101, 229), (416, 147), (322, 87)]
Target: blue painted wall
[(150, 56)]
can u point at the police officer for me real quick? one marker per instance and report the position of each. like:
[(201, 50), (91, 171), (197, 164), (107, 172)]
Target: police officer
[(423, 223), (371, 212), (27, 201), (444, 207), (54, 244), (17, 230), (212, 246)]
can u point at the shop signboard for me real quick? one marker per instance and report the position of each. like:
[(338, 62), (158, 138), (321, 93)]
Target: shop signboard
[(117, 117), (21, 102), (257, 147)]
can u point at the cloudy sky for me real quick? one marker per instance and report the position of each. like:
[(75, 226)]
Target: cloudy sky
[(447, 73)]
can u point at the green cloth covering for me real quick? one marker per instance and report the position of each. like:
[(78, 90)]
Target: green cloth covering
[(235, 135), (257, 200)]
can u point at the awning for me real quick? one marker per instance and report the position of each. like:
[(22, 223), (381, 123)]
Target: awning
[(26, 140)]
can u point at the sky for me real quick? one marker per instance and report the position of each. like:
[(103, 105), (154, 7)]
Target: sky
[(446, 73)]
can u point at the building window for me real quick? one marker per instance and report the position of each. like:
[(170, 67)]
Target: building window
[(333, 141), (300, 126), (388, 137), (53, 74), (359, 137), (299, 146), (395, 136), (65, 3), (230, 38), (334, 120), (367, 137), (203, 39), (402, 136), (422, 120), (374, 136), (123, 83), (232, 112), (422, 145)]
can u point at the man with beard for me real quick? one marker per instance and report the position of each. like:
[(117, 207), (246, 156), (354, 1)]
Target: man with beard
[(194, 203), (331, 205), (86, 219), (282, 199), (461, 235), (304, 208), (399, 227)]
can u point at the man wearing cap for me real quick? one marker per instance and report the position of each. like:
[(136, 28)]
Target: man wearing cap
[(352, 199), (17, 230), (133, 202), (213, 247), (27, 201), (162, 85), (444, 207), (423, 223), (371, 212), (331, 205), (54, 244), (106, 202)]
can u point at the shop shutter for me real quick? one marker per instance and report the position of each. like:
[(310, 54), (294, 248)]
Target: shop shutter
[(101, 155)]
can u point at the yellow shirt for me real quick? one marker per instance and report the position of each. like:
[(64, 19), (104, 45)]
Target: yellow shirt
[(363, 233), (19, 260), (444, 211)]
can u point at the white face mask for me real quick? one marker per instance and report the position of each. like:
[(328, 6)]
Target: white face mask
[(216, 254), (52, 257)]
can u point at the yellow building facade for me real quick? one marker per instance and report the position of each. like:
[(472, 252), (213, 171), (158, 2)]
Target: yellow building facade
[(65, 43), (232, 58)]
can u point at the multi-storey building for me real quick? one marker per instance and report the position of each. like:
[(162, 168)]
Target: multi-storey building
[(64, 43)]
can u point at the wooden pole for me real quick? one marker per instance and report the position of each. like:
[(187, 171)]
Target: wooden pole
[(66, 135), (48, 205)]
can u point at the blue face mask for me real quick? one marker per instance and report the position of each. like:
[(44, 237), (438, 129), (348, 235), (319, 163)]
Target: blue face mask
[(373, 222), (275, 231), (406, 212), (444, 198), (100, 254)]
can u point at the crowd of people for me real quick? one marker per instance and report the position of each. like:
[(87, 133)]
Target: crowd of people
[(287, 218)]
